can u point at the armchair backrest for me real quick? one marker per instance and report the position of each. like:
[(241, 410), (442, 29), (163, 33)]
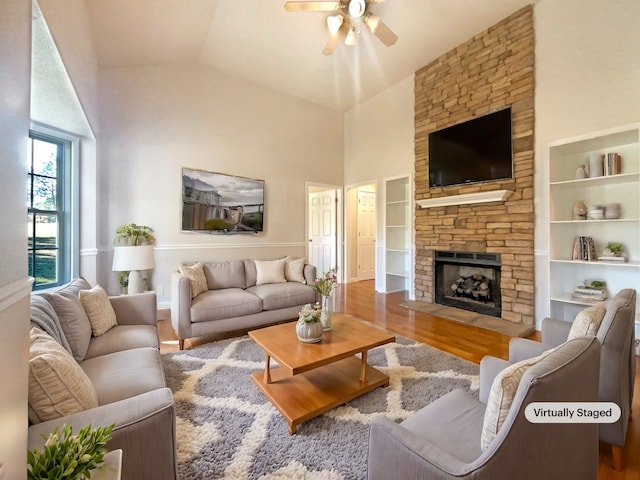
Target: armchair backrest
[(568, 374), (618, 361)]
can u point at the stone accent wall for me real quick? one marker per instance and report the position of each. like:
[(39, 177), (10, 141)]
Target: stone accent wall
[(491, 71)]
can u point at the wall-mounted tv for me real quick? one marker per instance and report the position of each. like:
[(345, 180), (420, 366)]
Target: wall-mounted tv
[(478, 150), (219, 203)]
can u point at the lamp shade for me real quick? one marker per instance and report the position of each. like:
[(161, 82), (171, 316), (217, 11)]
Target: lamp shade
[(130, 258)]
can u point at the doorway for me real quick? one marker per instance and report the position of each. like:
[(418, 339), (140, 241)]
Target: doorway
[(360, 228), (324, 227)]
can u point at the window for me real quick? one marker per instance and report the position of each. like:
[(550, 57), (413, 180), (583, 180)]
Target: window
[(49, 220)]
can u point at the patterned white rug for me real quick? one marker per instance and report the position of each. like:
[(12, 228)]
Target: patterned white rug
[(227, 429)]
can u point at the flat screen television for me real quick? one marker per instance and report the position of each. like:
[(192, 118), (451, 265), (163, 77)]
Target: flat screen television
[(219, 203), (478, 150)]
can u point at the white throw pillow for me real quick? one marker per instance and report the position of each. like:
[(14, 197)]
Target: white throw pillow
[(588, 321), (57, 385), (294, 270), (503, 390), (196, 276), (270, 271), (98, 308)]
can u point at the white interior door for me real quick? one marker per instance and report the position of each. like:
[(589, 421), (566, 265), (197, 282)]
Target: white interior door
[(322, 230), (366, 235)]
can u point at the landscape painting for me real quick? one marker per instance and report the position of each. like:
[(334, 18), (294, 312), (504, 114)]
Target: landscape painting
[(220, 203)]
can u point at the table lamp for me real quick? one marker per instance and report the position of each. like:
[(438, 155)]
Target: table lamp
[(133, 259)]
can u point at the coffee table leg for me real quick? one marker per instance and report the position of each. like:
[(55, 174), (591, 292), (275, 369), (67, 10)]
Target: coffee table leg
[(363, 370), (267, 370)]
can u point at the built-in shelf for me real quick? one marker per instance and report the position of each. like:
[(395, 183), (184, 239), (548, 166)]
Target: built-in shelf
[(398, 240), (465, 199)]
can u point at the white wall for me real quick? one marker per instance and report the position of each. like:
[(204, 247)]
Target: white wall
[(379, 138), (587, 79), (156, 120), (15, 58)]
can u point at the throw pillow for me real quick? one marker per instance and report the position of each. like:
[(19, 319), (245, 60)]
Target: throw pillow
[(294, 269), (588, 321), (196, 276), (73, 319), (503, 390), (98, 308), (270, 271), (57, 385)]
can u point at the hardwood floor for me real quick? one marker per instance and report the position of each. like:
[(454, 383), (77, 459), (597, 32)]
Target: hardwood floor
[(468, 342)]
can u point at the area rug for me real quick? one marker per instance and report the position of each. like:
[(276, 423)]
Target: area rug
[(487, 322), (227, 429)]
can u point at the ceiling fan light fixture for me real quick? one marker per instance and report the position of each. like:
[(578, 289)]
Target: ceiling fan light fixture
[(334, 22), (352, 36), (357, 8)]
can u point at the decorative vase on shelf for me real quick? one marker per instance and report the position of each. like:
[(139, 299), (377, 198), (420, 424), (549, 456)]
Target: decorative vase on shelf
[(325, 315), (596, 165)]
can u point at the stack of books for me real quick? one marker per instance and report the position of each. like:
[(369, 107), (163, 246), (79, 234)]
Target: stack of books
[(590, 294), (584, 249), (612, 258)]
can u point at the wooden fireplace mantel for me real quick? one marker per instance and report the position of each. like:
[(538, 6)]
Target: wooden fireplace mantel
[(467, 198)]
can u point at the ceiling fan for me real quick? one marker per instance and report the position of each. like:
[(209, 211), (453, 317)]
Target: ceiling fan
[(345, 21)]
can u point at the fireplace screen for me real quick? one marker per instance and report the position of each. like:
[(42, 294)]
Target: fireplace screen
[(468, 280)]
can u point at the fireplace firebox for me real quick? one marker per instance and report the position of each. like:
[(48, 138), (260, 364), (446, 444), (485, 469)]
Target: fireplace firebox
[(468, 280)]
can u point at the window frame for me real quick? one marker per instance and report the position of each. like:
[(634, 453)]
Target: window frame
[(67, 195)]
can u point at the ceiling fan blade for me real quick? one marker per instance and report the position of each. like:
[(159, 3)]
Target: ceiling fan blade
[(300, 6), (380, 30), (374, 2), (335, 40)]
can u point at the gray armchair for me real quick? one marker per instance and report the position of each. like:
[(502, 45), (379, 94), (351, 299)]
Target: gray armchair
[(442, 440), (617, 364)]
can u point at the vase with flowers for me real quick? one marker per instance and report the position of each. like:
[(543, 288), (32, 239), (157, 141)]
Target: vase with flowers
[(309, 326), (324, 286)]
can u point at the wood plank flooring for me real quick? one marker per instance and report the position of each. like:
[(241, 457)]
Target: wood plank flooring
[(468, 342)]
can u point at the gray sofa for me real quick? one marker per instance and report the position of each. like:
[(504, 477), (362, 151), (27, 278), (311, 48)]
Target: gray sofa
[(125, 368), (443, 439), (235, 299)]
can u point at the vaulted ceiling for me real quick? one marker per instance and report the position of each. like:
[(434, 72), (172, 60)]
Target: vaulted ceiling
[(261, 42)]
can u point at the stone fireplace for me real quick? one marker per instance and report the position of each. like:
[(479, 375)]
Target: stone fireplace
[(491, 71), (468, 280)]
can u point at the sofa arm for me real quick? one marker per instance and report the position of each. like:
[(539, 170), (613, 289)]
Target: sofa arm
[(397, 453), (145, 430), (310, 273), (137, 309), (181, 305), (523, 348), (554, 332), (489, 369)]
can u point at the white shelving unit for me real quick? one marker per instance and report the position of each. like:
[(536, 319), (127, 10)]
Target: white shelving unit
[(565, 157), (397, 232)]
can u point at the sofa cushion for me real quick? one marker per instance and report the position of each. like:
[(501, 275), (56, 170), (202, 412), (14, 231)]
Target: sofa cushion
[(503, 391), (98, 308), (282, 295), (44, 317), (588, 321), (73, 319), (294, 269), (120, 375), (226, 303), (228, 274), (197, 278), (270, 271), (123, 337), (57, 384)]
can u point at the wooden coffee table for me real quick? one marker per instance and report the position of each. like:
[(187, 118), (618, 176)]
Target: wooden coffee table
[(313, 378)]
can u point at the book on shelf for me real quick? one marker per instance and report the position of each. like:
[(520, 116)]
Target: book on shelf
[(589, 298), (612, 258), (584, 249)]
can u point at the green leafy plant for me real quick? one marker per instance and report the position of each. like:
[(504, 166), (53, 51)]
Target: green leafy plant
[(615, 247), (132, 234), (325, 284), (310, 313), (67, 456)]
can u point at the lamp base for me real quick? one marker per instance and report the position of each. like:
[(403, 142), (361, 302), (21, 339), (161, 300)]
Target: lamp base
[(136, 284)]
